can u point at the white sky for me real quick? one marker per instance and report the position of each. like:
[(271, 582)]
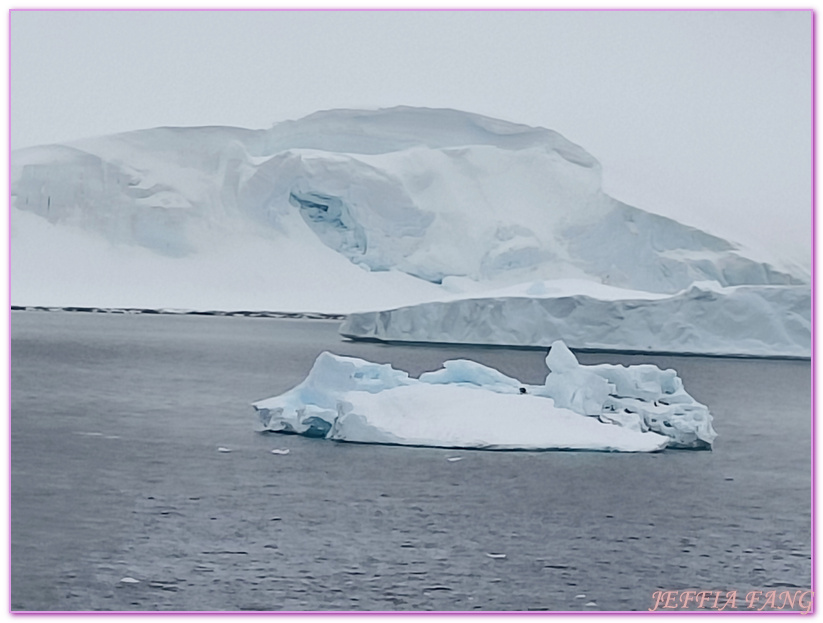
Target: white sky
[(703, 116)]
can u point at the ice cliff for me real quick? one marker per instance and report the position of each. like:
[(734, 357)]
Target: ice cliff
[(705, 318), (340, 211), (468, 405)]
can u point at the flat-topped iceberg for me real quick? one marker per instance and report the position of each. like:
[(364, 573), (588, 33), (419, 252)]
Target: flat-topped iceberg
[(468, 405), (705, 318)]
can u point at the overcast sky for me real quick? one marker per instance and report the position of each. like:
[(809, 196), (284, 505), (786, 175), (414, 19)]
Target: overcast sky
[(703, 116)]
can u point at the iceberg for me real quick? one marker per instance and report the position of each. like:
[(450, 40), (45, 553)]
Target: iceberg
[(468, 405), (705, 318), (342, 211)]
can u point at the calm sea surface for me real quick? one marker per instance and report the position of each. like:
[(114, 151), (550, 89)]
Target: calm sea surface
[(115, 473)]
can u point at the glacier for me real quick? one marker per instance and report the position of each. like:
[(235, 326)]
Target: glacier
[(419, 196), (705, 318), (465, 404), (423, 224)]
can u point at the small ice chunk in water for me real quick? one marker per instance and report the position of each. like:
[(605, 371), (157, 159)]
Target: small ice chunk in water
[(453, 459), (497, 556), (222, 449), (128, 580), (280, 451)]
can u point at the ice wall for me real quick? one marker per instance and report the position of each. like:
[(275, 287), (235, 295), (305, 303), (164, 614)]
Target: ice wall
[(757, 321)]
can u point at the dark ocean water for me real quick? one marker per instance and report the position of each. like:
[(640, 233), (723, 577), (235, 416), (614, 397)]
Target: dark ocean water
[(115, 473)]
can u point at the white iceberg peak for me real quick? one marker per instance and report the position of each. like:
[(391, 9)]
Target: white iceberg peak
[(560, 358)]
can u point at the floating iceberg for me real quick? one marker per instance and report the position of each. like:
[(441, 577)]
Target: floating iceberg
[(706, 318), (469, 405)]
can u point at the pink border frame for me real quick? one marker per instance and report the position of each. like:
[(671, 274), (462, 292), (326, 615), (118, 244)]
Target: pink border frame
[(814, 299), (315, 613)]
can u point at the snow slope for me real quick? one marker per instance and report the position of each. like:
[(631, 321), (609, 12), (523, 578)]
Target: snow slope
[(468, 405), (337, 212), (706, 318)]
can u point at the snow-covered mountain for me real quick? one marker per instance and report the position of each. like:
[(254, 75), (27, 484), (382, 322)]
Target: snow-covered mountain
[(340, 211)]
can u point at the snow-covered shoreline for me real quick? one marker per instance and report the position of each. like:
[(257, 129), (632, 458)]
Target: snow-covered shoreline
[(281, 315)]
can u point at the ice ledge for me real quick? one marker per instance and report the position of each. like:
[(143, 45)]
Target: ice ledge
[(705, 319)]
